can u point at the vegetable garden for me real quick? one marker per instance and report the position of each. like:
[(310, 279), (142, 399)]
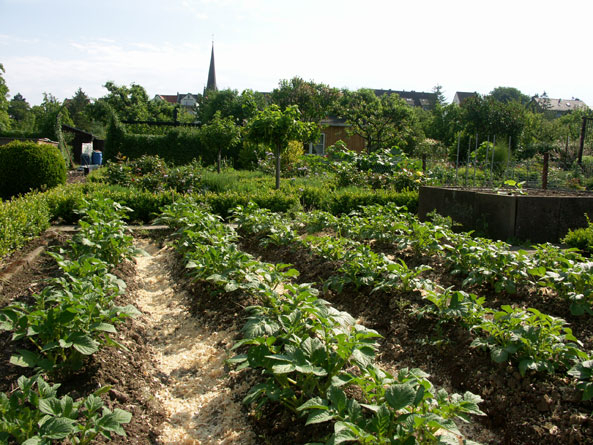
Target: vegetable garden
[(315, 313), (367, 327)]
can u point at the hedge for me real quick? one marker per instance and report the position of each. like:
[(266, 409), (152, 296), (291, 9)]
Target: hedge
[(24, 218), (179, 146), (21, 220)]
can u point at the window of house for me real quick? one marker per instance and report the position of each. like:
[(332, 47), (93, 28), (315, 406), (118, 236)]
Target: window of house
[(319, 147)]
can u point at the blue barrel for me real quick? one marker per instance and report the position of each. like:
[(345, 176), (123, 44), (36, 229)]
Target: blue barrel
[(97, 158)]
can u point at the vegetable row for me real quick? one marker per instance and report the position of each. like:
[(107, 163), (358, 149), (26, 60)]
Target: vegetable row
[(62, 325), (312, 357), (533, 340)]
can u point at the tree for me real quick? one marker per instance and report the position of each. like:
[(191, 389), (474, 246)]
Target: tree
[(220, 134), (440, 96), (487, 117), (315, 100), (445, 124), (78, 108), (509, 94), (19, 111), (276, 128), (4, 118), (241, 107), (46, 116), (383, 122)]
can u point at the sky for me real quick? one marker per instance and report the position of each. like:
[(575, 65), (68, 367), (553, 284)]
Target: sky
[(59, 46)]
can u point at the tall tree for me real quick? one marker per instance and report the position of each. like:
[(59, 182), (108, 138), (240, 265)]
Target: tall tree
[(19, 109), (220, 134), (276, 128), (488, 117), (241, 107), (78, 108), (509, 94), (46, 116), (4, 118), (383, 122), (315, 100)]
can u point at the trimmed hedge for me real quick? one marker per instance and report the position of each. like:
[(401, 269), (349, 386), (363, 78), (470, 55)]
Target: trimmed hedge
[(179, 146), (346, 200), (21, 220), (24, 218), (26, 166)]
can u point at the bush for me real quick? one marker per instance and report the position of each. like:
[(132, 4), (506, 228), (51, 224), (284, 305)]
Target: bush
[(26, 166), (22, 219), (581, 238)]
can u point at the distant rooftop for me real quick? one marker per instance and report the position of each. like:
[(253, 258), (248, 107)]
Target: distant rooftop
[(559, 105)]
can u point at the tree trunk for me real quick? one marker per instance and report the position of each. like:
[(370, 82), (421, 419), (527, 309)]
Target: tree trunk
[(218, 162), (278, 170)]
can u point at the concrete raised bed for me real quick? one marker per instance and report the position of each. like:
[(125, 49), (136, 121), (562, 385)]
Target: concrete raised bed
[(536, 217)]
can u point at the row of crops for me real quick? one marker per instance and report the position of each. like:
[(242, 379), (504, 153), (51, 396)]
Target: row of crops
[(311, 355), (58, 329), (311, 358), (530, 338)]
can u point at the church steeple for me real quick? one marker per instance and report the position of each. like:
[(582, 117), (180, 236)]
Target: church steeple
[(211, 85)]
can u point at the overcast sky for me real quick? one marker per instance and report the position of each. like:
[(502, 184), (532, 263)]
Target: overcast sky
[(57, 46)]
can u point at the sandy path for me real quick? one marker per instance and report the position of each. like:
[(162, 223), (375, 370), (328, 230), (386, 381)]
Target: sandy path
[(195, 395)]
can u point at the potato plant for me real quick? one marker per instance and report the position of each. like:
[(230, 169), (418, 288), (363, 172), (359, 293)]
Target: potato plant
[(307, 350)]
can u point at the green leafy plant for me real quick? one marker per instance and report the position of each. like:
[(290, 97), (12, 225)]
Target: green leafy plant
[(581, 238), (34, 415), (539, 342)]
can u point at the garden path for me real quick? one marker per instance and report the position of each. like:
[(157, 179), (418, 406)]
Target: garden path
[(195, 394)]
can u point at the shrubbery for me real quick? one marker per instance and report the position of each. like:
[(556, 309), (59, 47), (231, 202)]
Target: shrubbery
[(26, 166), (179, 146), (22, 219), (581, 238)]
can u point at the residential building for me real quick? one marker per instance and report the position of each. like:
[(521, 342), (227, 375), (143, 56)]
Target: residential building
[(461, 96), (555, 107)]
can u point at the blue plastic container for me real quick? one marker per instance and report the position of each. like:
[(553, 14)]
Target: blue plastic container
[(97, 158)]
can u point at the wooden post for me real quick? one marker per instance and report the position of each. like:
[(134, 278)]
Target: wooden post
[(545, 171), (582, 144), (457, 162)]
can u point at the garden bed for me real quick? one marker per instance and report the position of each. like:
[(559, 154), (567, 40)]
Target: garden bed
[(527, 215)]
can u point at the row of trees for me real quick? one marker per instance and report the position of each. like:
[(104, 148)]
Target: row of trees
[(383, 122)]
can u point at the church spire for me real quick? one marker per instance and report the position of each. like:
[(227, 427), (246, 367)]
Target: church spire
[(211, 85)]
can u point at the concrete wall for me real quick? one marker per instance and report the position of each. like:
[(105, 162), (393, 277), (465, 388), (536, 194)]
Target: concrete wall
[(534, 218)]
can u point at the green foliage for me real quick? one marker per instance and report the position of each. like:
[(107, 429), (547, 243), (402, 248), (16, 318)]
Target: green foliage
[(484, 157), (34, 415), (276, 128), (382, 169), (26, 166), (230, 104), (21, 220), (306, 350), (538, 341), (315, 101), (102, 232), (509, 94), (583, 372), (489, 117), (178, 146), (219, 135), (581, 238), (73, 316), (383, 122), (4, 117)]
